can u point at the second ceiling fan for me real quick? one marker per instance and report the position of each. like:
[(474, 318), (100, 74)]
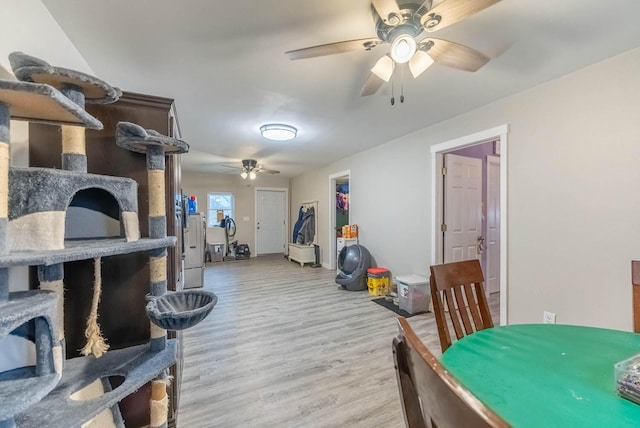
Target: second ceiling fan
[(250, 167), (403, 27)]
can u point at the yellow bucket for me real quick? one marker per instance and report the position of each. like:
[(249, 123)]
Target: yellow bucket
[(378, 282)]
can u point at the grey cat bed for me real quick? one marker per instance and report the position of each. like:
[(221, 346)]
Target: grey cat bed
[(137, 364), (39, 197), (137, 139), (32, 69), (42, 103), (23, 387), (180, 310)]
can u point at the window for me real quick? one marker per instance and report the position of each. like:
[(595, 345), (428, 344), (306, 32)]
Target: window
[(219, 201)]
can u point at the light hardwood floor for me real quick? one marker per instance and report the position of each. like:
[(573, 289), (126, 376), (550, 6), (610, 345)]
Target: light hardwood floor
[(284, 347)]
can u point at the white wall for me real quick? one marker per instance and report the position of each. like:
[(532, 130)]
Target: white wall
[(27, 26), (574, 208), (199, 184)]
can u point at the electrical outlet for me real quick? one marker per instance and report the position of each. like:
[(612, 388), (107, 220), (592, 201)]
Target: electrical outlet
[(548, 317)]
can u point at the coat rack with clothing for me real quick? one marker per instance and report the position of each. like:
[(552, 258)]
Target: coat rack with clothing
[(305, 232)]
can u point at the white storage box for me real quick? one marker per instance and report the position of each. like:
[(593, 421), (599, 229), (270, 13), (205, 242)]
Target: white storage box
[(413, 293)]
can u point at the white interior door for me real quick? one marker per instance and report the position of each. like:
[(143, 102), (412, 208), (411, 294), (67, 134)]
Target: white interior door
[(270, 221), (462, 208), (492, 274)]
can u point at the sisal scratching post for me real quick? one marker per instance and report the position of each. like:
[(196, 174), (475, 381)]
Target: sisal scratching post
[(74, 151), (157, 229), (5, 119), (4, 196), (159, 403), (158, 280), (95, 342), (52, 278)]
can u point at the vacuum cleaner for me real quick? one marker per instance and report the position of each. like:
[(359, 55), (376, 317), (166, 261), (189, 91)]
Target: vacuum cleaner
[(229, 226)]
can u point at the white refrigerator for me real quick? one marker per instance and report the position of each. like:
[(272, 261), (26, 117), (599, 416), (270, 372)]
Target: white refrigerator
[(194, 236)]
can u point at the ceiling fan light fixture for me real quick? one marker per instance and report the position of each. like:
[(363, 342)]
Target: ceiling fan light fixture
[(278, 132), (419, 63), (252, 175), (383, 68), (244, 175), (402, 48)]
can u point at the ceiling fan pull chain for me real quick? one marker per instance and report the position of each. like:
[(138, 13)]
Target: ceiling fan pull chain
[(393, 100), (401, 85)]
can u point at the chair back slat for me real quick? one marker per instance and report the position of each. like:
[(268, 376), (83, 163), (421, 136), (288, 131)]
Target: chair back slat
[(473, 309), (635, 281), (431, 397), (461, 306), (438, 309), (453, 282), (455, 320)]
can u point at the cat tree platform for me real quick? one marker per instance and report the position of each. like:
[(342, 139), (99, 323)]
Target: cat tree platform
[(137, 364), (84, 249)]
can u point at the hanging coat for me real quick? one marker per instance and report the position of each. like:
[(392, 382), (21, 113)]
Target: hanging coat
[(298, 225), (307, 231)]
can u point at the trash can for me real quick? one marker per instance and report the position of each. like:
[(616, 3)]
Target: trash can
[(413, 293), (216, 250), (378, 281)]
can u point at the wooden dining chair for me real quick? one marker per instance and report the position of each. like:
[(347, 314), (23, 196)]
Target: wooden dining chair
[(459, 285), (635, 281), (430, 396)]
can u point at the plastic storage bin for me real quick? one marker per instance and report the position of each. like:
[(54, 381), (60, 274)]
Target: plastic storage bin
[(413, 293), (627, 375), (378, 280)]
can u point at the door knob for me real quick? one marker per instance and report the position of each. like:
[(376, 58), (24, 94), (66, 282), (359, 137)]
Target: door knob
[(481, 246)]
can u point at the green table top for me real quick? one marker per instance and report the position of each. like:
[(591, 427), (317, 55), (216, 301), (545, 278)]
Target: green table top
[(547, 375)]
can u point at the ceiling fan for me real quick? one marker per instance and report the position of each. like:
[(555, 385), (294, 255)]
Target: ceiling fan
[(403, 27), (250, 168)]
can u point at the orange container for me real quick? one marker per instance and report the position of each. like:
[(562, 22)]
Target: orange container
[(354, 231)]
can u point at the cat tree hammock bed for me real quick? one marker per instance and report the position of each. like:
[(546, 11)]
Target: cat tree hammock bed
[(35, 225), (180, 310)]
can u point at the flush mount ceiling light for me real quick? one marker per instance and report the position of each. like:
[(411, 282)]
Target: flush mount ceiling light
[(278, 132)]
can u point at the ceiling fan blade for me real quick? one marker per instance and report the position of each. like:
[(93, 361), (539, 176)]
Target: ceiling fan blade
[(231, 167), (419, 62), (388, 10), (384, 68), (371, 86), (455, 55), (333, 48), (451, 11), (266, 171)]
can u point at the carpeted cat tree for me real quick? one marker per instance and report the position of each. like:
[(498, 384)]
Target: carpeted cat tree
[(33, 223)]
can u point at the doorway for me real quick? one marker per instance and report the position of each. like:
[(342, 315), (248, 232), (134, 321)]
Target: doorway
[(492, 210), (338, 182), (271, 220)]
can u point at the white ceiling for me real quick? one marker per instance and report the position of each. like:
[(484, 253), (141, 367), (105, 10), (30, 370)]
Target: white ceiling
[(224, 64)]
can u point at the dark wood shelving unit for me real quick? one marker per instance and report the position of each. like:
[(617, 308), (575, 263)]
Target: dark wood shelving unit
[(125, 277)]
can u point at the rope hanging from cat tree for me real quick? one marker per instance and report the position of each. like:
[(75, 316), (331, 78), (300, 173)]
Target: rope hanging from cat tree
[(96, 344)]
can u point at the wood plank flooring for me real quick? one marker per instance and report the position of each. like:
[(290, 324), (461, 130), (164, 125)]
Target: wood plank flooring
[(284, 347)]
